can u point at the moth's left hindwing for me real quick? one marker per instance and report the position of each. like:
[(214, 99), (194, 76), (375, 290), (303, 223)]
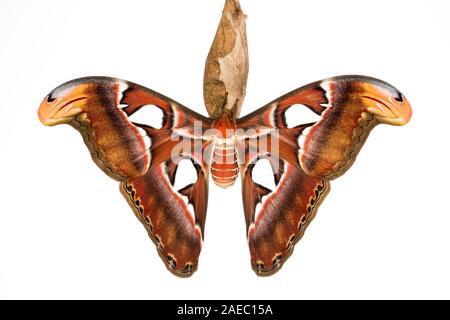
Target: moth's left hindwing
[(171, 224), (140, 157), (348, 106), (309, 155)]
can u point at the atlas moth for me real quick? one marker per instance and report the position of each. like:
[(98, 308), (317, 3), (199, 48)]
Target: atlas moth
[(304, 157)]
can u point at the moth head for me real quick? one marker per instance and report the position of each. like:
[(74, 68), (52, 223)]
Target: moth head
[(385, 103), (62, 104)]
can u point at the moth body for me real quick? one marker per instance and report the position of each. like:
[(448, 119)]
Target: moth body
[(224, 165)]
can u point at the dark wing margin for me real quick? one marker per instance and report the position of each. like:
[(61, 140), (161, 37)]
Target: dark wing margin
[(99, 108)]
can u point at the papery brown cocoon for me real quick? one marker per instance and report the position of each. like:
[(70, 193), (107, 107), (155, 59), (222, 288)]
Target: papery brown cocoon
[(226, 68)]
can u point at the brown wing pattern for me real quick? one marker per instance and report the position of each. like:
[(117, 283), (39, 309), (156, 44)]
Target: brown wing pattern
[(99, 108), (139, 156), (277, 219), (349, 106), (176, 229), (309, 155)]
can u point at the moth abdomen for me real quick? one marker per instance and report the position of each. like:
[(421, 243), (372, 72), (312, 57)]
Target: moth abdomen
[(224, 167)]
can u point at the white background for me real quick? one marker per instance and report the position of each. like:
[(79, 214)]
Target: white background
[(65, 230)]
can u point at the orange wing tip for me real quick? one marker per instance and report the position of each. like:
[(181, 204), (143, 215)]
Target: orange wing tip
[(386, 103), (60, 110), (391, 111)]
